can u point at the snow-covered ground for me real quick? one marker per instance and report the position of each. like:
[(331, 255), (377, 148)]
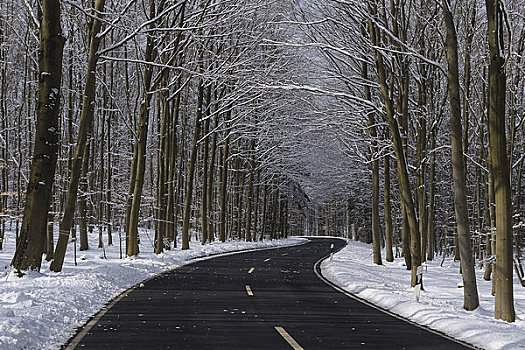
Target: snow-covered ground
[(440, 305), (42, 310)]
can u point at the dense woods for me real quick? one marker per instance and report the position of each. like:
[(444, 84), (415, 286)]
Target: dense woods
[(397, 123)]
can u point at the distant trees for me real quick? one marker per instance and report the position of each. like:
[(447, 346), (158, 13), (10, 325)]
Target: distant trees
[(182, 80), (418, 57)]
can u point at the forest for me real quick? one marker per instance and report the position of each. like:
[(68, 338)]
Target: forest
[(398, 123)]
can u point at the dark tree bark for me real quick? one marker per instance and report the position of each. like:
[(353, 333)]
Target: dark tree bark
[(223, 196), (388, 212), (503, 273), (84, 129), (137, 178), (28, 254), (249, 194), (188, 193)]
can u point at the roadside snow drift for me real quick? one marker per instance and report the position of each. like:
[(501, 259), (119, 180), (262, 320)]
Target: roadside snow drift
[(441, 303), (42, 310)]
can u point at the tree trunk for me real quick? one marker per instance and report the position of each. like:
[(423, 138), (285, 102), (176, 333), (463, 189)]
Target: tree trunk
[(137, 179), (431, 200), (275, 211), (188, 193), (109, 174), (171, 216), (50, 244), (223, 196), (421, 169), (205, 211), (163, 169), (211, 177), (85, 127), (503, 273), (388, 212), (470, 295), (28, 254), (372, 130), (82, 202), (265, 212), (256, 208), (249, 194), (403, 181)]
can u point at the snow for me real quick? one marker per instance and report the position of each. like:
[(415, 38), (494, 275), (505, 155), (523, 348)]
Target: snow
[(43, 309), (441, 302)]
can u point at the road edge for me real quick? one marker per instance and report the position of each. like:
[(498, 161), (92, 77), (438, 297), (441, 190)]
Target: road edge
[(318, 272), (81, 331)]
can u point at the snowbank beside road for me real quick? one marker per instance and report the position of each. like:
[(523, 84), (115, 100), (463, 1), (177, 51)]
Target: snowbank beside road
[(441, 303), (42, 310)]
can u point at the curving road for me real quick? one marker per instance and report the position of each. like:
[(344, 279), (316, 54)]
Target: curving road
[(267, 299)]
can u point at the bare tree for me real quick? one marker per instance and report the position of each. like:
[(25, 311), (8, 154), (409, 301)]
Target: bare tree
[(28, 254)]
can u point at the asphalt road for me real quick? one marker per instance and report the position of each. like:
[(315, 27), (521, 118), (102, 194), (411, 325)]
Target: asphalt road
[(268, 299)]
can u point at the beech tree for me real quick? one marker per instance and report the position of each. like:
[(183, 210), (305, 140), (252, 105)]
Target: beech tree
[(241, 120), (471, 300), (499, 161), (85, 129), (28, 255)]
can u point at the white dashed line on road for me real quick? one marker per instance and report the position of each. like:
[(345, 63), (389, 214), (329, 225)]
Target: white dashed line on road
[(289, 338), (249, 291)]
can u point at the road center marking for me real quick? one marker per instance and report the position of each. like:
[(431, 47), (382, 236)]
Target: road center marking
[(251, 270), (267, 260), (249, 290), (289, 338)]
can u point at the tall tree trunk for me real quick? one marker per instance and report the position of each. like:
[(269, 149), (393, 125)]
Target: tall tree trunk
[(163, 169), (85, 127), (249, 194), (376, 232), (211, 177), (388, 212), (372, 130), (137, 179), (241, 177), (171, 216), (421, 167), (265, 212), (205, 211), (470, 295), (188, 193), (431, 199), (275, 211), (223, 196), (490, 213), (403, 178), (82, 202), (109, 173), (256, 206), (503, 273), (28, 254)]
